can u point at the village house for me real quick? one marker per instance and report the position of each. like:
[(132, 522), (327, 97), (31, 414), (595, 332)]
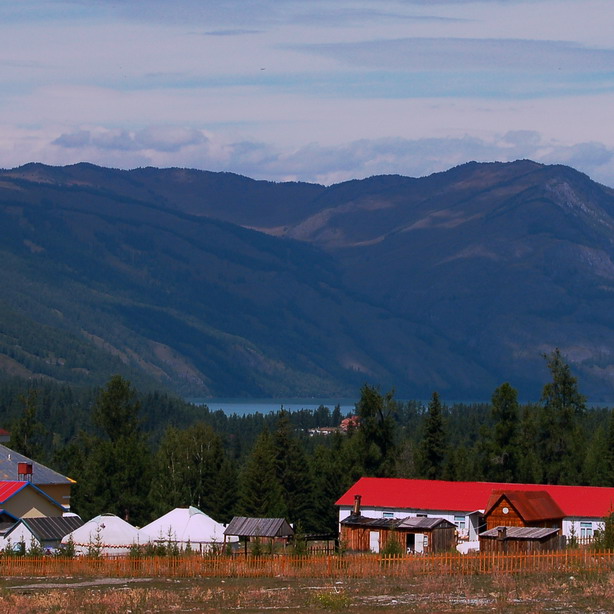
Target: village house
[(409, 534), (44, 532), (575, 510), (15, 466), (25, 500)]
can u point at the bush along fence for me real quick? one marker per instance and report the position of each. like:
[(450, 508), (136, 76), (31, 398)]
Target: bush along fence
[(347, 566)]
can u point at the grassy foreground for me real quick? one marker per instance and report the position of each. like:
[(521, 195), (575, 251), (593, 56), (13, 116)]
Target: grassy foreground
[(526, 594)]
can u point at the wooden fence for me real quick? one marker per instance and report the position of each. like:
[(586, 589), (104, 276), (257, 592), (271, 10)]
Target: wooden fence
[(332, 566)]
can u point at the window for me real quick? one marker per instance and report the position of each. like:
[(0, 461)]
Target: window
[(586, 529), (388, 515), (459, 521)]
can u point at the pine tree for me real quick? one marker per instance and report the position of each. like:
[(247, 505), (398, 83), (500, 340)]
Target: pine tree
[(561, 440), (116, 474), (260, 493), (376, 433), (27, 431), (503, 459), (293, 473), (432, 449)]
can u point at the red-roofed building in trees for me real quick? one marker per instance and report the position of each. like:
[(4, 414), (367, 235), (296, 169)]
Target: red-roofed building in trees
[(580, 509)]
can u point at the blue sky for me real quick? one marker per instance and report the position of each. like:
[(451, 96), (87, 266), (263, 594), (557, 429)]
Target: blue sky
[(314, 91)]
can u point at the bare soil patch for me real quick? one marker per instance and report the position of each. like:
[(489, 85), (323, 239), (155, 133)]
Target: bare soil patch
[(560, 594)]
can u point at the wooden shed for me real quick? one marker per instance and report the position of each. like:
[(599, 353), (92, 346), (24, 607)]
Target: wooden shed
[(521, 539), (271, 530), (419, 535), (523, 508)]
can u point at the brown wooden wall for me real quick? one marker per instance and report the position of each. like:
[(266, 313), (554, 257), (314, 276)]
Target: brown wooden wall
[(512, 519), (358, 538), (511, 546), (498, 519)]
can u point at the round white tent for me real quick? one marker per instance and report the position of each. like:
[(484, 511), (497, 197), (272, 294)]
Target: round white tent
[(187, 526), (107, 535)]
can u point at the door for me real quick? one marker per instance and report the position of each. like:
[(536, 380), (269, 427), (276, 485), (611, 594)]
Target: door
[(374, 541)]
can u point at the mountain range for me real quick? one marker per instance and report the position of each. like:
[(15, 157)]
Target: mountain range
[(214, 284)]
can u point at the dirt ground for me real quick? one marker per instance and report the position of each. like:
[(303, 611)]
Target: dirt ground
[(590, 593)]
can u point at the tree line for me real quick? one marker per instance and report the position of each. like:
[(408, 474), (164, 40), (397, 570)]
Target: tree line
[(140, 455)]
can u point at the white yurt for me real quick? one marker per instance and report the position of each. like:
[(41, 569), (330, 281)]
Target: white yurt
[(183, 526), (107, 535)]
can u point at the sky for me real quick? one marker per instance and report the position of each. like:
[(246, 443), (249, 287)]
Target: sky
[(308, 90)]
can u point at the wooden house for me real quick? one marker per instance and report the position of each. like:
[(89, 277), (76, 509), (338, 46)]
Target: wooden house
[(464, 503), (519, 539), (411, 534), (522, 508)]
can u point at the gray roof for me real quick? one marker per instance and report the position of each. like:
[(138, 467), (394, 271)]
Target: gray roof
[(521, 532), (259, 527), (52, 528), (409, 523), (423, 523), (9, 461)]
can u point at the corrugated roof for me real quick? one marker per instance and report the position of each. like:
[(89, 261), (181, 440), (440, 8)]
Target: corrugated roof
[(52, 528), (520, 532), (258, 527), (395, 523), (9, 461), (532, 506), (423, 523), (365, 521), (440, 495)]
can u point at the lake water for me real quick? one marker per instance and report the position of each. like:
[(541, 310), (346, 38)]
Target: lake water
[(265, 406)]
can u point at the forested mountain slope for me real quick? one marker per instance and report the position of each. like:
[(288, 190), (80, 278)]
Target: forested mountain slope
[(212, 283)]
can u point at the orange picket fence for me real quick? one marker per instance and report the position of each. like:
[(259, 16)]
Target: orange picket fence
[(329, 566)]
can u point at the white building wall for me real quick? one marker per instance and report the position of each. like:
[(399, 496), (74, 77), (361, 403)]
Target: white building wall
[(18, 535), (583, 528)]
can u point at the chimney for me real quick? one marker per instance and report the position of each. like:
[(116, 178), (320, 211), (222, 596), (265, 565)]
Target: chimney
[(501, 533), (356, 510), (24, 472)]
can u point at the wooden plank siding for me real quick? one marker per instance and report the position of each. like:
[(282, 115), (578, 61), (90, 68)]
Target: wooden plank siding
[(440, 539), (496, 517)]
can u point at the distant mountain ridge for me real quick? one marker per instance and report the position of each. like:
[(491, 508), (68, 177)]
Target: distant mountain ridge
[(217, 284)]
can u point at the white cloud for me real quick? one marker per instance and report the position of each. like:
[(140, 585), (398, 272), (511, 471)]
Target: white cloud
[(320, 90)]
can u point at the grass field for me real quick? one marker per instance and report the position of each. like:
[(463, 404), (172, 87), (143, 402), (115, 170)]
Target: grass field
[(519, 594)]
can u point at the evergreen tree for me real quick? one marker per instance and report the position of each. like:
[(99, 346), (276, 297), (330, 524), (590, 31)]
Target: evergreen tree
[(27, 431), (260, 493), (561, 441), (116, 473), (529, 469), (293, 473), (376, 432), (431, 453), (503, 459)]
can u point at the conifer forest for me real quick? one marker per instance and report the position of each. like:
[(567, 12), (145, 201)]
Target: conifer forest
[(140, 454)]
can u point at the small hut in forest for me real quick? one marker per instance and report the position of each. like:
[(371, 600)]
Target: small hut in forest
[(259, 530), (521, 539), (411, 534)]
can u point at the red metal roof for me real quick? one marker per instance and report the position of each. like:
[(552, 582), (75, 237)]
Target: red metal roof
[(439, 495), (531, 505), (9, 488)]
